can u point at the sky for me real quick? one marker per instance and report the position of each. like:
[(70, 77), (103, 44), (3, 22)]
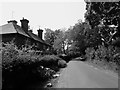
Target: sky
[(53, 14)]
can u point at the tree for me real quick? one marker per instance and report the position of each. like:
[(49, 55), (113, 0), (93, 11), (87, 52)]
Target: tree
[(93, 37), (60, 41), (76, 37), (104, 15), (49, 36), (56, 39)]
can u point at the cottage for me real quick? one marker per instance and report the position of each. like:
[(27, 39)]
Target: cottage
[(21, 35)]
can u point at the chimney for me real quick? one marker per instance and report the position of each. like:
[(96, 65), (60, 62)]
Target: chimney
[(40, 31), (24, 24), (13, 21)]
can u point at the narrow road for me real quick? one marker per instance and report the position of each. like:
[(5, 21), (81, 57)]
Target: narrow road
[(81, 75)]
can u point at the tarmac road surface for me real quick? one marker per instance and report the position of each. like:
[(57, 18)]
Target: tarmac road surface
[(81, 75)]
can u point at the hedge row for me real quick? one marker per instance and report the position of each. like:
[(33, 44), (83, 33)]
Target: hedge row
[(20, 69)]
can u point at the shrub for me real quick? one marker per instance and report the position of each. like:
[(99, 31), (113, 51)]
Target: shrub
[(20, 68), (51, 61), (62, 63), (73, 54), (90, 53), (65, 57), (108, 55)]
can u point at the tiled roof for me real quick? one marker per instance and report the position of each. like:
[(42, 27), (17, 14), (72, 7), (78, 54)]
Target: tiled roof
[(20, 30), (7, 28), (12, 28), (46, 43), (35, 37)]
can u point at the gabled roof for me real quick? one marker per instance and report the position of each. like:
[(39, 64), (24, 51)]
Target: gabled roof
[(12, 28)]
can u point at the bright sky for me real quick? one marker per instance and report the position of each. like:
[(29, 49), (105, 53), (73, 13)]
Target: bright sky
[(54, 14)]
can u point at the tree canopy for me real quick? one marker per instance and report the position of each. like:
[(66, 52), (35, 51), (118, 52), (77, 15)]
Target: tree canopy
[(106, 17), (56, 39)]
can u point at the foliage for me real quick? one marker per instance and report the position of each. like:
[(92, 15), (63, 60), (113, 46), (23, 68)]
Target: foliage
[(62, 63), (103, 15), (75, 31), (60, 43), (56, 39), (73, 54), (107, 55), (81, 36), (90, 53), (72, 39), (76, 37), (93, 37), (49, 36), (9, 53), (106, 13), (50, 61), (20, 68)]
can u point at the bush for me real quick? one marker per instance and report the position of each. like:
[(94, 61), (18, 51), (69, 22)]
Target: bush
[(51, 61), (65, 57), (62, 64), (90, 53), (73, 54), (20, 68), (108, 55)]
